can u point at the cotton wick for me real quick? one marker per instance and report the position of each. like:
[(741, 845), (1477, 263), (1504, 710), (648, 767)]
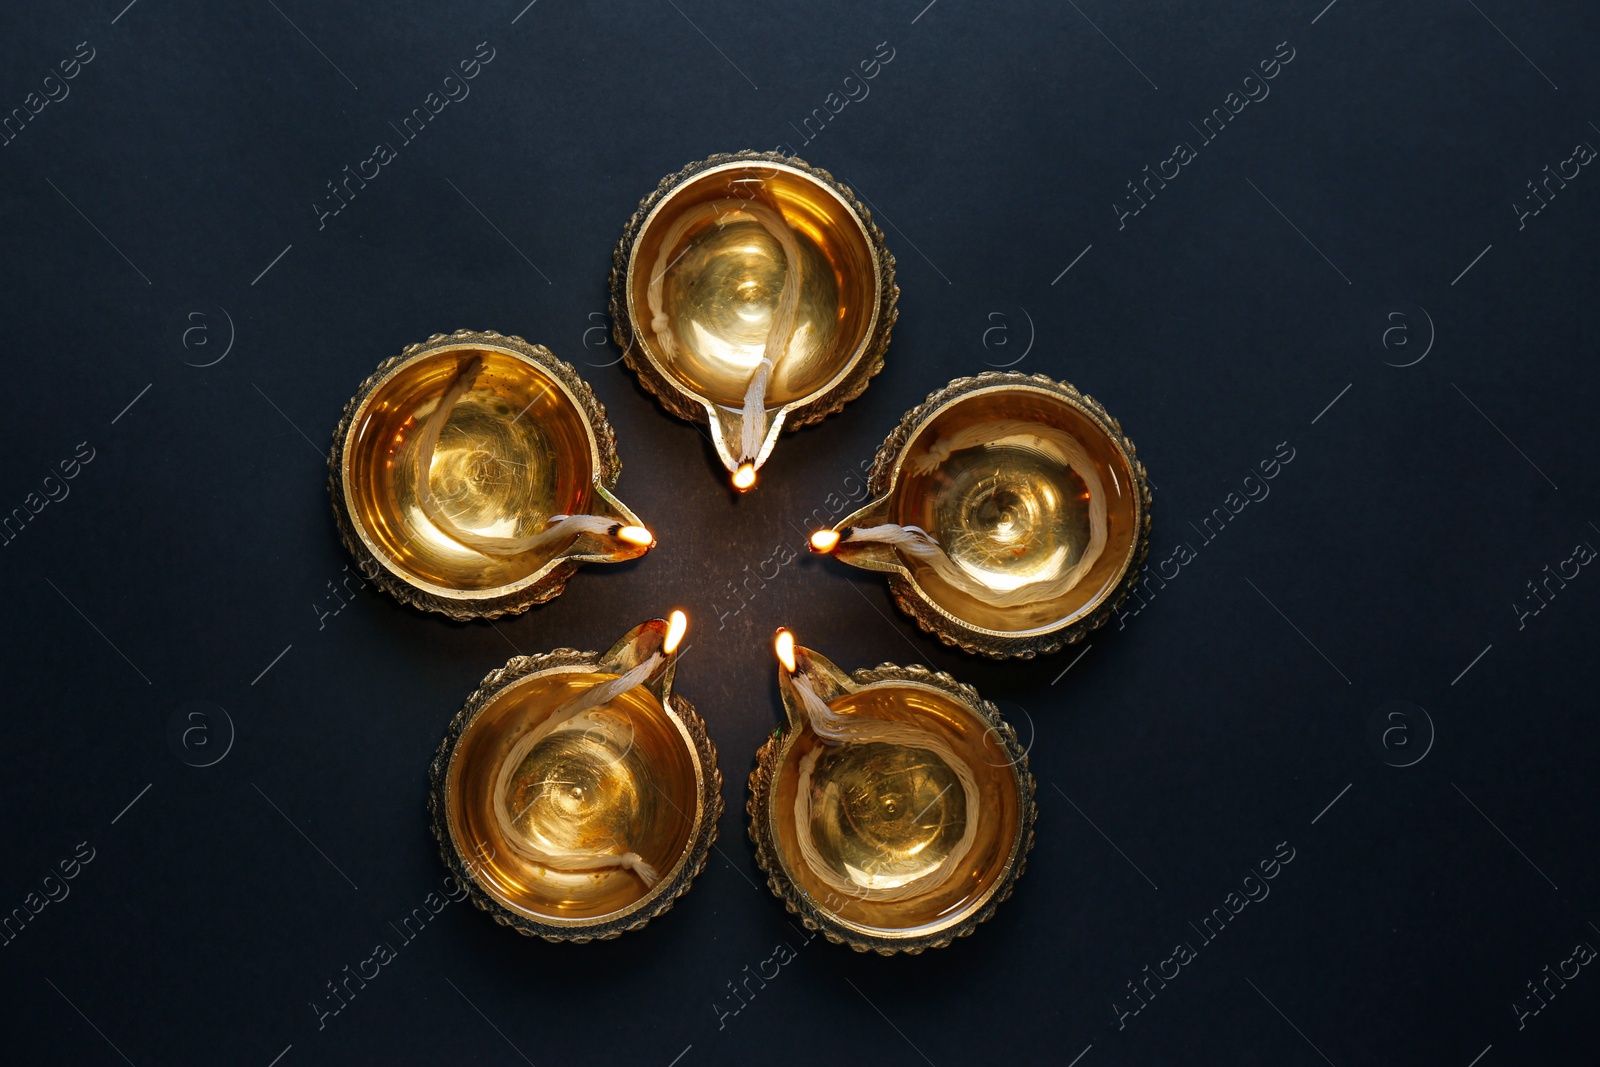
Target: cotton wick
[(593, 697), (765, 211), (833, 729), (753, 430)]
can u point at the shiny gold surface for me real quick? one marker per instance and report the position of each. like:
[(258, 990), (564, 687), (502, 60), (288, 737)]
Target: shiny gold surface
[(883, 814), (524, 444), (636, 774), (1009, 515), (723, 278), (720, 282), (1006, 513), (618, 778)]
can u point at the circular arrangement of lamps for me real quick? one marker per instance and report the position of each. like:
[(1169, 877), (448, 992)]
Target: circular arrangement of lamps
[(576, 794)]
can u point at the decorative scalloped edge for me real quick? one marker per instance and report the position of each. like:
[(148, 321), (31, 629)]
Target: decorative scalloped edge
[(914, 603), (517, 668), (689, 406), (543, 585), (802, 906)]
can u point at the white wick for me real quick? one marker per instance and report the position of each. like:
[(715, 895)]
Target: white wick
[(753, 427), (593, 697), (834, 729)]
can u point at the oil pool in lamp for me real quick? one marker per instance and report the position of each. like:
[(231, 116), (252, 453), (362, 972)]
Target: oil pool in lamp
[(576, 796), (1010, 512), (472, 474), (752, 291), (895, 809)]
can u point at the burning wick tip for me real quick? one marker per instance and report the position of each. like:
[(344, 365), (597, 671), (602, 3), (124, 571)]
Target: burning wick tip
[(783, 645), (677, 626), (744, 479), (824, 541), (635, 535)]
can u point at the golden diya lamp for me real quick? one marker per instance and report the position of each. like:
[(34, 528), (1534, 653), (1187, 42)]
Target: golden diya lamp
[(1010, 512), (894, 811), (472, 474), (575, 795), (753, 292)]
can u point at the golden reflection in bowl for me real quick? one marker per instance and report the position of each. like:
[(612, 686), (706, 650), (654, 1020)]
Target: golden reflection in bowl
[(705, 278), (1035, 500), (524, 444), (1009, 514), (905, 830), (621, 777), (573, 827)]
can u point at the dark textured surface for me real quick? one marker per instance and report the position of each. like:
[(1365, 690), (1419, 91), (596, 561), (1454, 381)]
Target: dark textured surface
[(187, 567)]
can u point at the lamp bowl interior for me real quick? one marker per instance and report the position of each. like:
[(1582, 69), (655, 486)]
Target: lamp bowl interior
[(883, 814), (515, 451), (718, 272), (623, 777), (1010, 513)]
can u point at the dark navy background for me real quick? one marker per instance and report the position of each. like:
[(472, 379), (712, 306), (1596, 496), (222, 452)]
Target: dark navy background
[(169, 204)]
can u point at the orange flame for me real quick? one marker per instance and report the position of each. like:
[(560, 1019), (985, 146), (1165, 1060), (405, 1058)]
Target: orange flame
[(636, 535), (677, 626), (783, 645), (824, 540), (744, 479)]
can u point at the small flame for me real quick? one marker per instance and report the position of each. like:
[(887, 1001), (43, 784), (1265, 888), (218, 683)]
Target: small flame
[(677, 626), (636, 535), (824, 540), (744, 479), (784, 646)]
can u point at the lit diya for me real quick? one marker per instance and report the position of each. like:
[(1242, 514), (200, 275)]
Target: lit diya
[(1010, 512), (472, 474), (894, 810), (752, 291), (576, 795)]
